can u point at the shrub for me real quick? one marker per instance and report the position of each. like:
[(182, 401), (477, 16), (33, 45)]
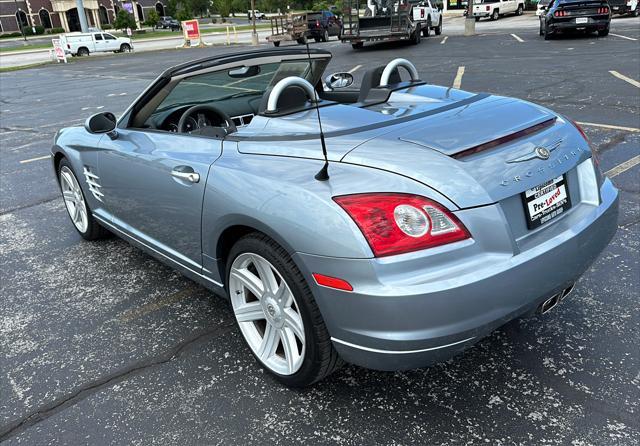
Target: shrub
[(29, 30), (58, 30), (124, 20), (13, 34), (106, 26), (152, 18)]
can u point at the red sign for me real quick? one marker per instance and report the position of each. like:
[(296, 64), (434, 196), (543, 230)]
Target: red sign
[(191, 30)]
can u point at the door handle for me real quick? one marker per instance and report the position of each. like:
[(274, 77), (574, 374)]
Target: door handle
[(192, 177)]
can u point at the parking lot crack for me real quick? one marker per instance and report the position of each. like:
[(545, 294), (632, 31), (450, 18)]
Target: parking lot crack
[(84, 391)]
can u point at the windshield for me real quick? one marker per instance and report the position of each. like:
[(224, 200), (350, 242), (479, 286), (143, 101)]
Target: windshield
[(229, 84)]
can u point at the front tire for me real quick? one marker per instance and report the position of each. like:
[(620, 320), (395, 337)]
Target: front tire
[(125, 48), (76, 205), (277, 314)]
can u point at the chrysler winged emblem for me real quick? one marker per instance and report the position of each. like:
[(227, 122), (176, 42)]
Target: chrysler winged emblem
[(539, 152)]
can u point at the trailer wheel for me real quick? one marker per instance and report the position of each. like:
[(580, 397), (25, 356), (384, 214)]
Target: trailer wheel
[(357, 45), (302, 40), (276, 43)]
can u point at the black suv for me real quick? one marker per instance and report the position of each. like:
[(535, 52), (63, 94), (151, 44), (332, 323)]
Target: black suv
[(323, 24), (566, 15), (168, 22)]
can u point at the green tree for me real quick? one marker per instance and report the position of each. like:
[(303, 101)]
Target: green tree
[(184, 12), (223, 7), (320, 6), (152, 18), (124, 20), (200, 7), (171, 8)]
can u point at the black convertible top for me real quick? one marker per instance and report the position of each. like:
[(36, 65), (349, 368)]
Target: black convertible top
[(213, 61)]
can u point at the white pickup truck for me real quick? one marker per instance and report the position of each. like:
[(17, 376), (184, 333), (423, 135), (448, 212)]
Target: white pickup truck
[(429, 14), (83, 44), (496, 8)]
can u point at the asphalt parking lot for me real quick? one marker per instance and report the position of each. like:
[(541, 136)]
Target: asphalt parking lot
[(101, 344)]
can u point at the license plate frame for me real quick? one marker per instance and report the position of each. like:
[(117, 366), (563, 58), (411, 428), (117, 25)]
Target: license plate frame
[(545, 202)]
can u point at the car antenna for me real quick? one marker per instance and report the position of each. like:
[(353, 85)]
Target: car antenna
[(323, 174)]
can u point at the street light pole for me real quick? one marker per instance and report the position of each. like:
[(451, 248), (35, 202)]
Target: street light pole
[(254, 33), (84, 27), (24, 36), (470, 22)]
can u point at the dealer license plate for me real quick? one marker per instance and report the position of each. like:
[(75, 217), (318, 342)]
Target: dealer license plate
[(546, 201), (580, 20)]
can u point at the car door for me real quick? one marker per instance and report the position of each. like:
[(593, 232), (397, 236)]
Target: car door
[(153, 185), (111, 42), (99, 43), (508, 7)]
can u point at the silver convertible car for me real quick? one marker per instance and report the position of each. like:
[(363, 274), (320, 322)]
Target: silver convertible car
[(389, 226)]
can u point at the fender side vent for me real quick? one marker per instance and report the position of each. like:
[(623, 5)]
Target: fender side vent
[(92, 181)]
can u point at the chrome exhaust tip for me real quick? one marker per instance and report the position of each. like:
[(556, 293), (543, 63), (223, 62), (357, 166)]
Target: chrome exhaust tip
[(567, 291), (550, 303)]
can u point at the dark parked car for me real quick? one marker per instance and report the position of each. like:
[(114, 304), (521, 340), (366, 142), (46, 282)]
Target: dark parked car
[(168, 22), (323, 25), (570, 15)]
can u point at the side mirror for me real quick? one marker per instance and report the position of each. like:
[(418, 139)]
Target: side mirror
[(339, 80), (104, 122)]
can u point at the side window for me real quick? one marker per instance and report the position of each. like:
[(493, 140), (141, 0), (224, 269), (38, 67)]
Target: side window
[(98, 36), (109, 37)]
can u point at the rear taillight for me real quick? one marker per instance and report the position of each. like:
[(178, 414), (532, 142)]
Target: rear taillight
[(422, 13), (396, 223), (68, 46), (560, 14), (488, 8), (317, 23), (604, 10)]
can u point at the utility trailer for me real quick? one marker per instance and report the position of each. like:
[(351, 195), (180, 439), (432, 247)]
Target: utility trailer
[(383, 21), (288, 28)]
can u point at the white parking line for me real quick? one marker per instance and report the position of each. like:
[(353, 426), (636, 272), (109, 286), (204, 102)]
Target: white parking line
[(354, 69), (40, 158), (622, 37), (623, 167), (517, 38), (633, 82), (457, 82), (444, 39), (611, 127)]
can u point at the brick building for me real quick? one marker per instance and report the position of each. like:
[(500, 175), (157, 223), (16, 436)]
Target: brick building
[(64, 14)]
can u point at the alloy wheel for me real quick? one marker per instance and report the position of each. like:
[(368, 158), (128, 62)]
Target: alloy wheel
[(267, 313), (73, 199)]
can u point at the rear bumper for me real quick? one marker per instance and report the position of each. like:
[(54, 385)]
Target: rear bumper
[(401, 319), (595, 24)]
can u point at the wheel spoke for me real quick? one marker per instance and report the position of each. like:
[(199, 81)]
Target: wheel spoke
[(250, 281), (290, 348), (266, 274), (269, 342), (76, 213), (282, 295), (251, 311), (293, 321), (69, 196)]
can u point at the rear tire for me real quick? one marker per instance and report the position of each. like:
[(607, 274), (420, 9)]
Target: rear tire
[(357, 45), (438, 29), (302, 40), (325, 36), (495, 15), (603, 32), (77, 207), (276, 44), (426, 32), (477, 19), (547, 34), (301, 362), (83, 51), (415, 37), (519, 11), (636, 11)]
